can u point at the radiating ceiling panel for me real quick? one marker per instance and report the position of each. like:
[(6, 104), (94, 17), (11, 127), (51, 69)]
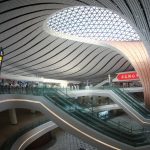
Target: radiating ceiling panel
[(30, 51)]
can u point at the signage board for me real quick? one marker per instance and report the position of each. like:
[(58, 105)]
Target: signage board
[(1, 57), (127, 76)]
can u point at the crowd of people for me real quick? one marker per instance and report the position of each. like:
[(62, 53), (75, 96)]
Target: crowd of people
[(13, 86)]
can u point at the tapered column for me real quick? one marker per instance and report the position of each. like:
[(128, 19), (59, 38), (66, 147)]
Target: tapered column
[(137, 54), (12, 116)]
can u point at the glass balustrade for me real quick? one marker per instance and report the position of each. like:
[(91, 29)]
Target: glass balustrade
[(131, 136), (132, 102), (12, 139), (111, 129)]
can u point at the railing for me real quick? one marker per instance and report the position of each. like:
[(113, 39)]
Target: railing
[(80, 106), (131, 136), (136, 98), (43, 91), (11, 140), (132, 102), (111, 129)]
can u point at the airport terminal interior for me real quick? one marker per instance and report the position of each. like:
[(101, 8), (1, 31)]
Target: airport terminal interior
[(74, 74)]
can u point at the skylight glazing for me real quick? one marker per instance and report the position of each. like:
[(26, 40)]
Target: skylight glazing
[(92, 22)]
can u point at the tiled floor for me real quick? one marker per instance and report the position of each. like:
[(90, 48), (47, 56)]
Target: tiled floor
[(67, 141)]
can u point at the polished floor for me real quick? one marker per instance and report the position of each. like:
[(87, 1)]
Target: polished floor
[(67, 141)]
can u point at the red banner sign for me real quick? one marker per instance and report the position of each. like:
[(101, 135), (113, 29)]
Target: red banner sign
[(128, 76)]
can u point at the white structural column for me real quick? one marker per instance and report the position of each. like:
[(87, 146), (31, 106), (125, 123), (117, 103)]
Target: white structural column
[(109, 79), (13, 116), (137, 54)]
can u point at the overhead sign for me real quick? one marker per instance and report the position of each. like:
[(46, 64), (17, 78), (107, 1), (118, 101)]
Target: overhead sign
[(1, 57), (1, 54), (127, 76)]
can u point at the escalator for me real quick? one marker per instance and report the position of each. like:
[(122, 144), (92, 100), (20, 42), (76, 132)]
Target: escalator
[(104, 127), (132, 102), (129, 104), (63, 110)]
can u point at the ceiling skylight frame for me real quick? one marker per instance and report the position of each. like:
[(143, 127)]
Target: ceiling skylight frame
[(78, 21)]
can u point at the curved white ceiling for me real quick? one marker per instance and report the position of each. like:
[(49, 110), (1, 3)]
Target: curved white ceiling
[(31, 51)]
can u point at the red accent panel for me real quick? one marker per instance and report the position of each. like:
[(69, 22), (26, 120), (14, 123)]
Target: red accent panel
[(128, 76)]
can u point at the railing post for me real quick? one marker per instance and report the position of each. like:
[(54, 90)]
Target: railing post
[(92, 105)]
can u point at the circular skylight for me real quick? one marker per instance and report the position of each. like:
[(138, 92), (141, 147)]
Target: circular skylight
[(92, 22)]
